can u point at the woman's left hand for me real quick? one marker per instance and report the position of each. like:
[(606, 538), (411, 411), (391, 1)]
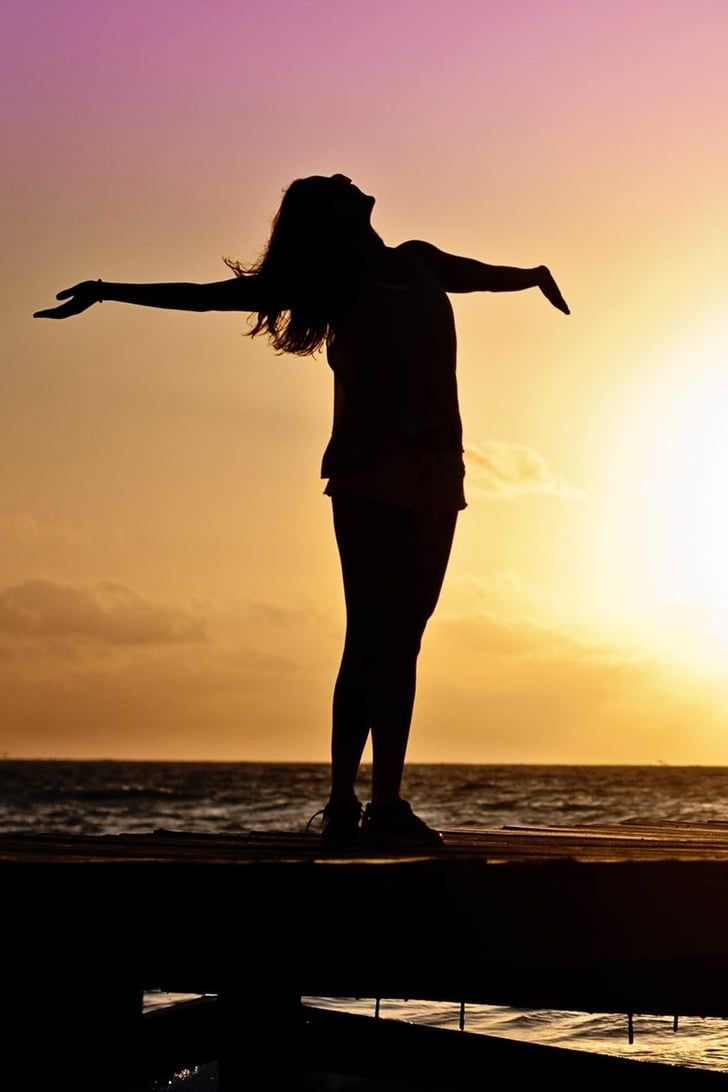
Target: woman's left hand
[(83, 295)]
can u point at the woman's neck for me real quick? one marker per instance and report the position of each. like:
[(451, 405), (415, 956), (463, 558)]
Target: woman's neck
[(369, 255), (382, 262)]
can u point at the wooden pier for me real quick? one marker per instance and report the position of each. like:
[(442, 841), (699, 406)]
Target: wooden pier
[(631, 918)]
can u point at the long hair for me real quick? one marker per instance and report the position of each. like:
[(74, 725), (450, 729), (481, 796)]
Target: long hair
[(307, 271)]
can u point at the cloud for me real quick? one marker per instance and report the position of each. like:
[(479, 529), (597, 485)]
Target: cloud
[(483, 635), (500, 469), (501, 616), (277, 615), (27, 529), (505, 679), (198, 701), (106, 612), (513, 687)]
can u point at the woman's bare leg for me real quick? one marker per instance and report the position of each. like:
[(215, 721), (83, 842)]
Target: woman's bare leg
[(391, 720), (350, 725), (393, 565)]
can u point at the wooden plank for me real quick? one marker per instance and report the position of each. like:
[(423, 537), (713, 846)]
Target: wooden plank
[(554, 917), (584, 843)]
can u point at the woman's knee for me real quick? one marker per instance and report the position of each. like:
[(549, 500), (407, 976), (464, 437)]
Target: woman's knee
[(401, 644), (388, 642)]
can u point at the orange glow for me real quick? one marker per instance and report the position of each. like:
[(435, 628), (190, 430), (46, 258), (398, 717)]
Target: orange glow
[(170, 585)]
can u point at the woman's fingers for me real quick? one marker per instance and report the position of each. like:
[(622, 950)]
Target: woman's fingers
[(72, 307), (74, 290), (551, 291), (55, 312), (79, 298), (560, 302)]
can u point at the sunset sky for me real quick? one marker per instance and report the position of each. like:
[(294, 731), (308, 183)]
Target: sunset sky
[(169, 583)]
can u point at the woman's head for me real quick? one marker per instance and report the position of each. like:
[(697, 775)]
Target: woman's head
[(311, 260), (321, 211)]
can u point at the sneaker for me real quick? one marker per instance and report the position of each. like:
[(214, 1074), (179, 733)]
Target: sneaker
[(340, 823), (395, 824)]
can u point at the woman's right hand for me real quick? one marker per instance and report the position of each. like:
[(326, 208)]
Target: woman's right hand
[(550, 289), (83, 295)]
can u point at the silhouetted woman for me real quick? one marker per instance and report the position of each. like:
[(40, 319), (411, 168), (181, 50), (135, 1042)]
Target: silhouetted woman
[(394, 461)]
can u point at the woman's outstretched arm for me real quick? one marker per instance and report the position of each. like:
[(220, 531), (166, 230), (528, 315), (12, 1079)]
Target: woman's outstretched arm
[(458, 274), (235, 294)]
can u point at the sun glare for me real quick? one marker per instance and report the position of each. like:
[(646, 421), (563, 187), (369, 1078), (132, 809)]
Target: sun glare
[(691, 499), (667, 523)]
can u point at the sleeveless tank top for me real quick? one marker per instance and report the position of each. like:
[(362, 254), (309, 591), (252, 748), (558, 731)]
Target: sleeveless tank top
[(397, 433)]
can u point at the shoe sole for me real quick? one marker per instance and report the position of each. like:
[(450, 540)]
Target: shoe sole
[(392, 841)]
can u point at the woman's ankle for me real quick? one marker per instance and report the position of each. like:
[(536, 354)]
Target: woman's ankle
[(349, 797), (379, 801)]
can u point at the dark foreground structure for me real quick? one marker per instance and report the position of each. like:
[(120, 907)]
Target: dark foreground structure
[(630, 918)]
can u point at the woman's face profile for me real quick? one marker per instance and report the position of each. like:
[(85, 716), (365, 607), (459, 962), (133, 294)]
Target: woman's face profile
[(332, 207), (348, 201)]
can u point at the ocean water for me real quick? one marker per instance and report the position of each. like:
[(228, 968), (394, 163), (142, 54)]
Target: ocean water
[(110, 797)]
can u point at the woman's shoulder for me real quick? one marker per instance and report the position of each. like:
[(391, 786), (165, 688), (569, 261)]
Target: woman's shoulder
[(421, 255), (417, 249)]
